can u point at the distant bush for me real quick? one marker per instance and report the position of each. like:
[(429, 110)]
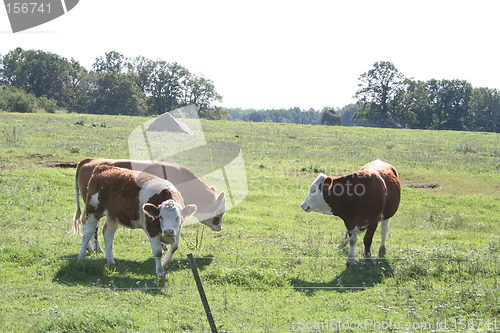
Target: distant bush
[(47, 104), (13, 99)]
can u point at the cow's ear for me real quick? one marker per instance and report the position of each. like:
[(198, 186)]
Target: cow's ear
[(327, 184), (151, 210), (220, 197), (212, 188), (189, 210)]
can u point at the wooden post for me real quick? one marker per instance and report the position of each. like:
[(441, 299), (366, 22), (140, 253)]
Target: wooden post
[(203, 297)]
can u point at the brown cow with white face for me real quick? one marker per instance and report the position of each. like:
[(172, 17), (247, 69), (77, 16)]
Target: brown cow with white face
[(361, 199), (211, 207), (134, 200)]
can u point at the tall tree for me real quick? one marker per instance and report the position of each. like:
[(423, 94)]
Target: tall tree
[(450, 103), (112, 62), (144, 68), (485, 109), (42, 73), (113, 89), (377, 91), (161, 82), (168, 86), (201, 92), (435, 104), (412, 105)]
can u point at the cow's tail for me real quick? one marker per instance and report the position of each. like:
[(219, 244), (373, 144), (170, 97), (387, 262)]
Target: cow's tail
[(394, 172), (385, 192), (78, 213)]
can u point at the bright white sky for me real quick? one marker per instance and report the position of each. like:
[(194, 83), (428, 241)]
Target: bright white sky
[(273, 54)]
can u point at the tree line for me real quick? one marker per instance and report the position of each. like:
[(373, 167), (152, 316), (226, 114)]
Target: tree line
[(389, 99), (386, 98), (34, 79), (31, 79), (292, 115), (297, 115)]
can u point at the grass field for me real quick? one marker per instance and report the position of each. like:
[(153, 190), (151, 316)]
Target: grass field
[(273, 267)]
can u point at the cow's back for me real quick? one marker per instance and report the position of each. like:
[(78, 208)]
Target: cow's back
[(86, 167), (392, 183), (165, 170), (194, 189), (114, 193)]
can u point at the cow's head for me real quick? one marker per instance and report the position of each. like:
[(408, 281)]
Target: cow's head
[(170, 215), (213, 218), (315, 201)]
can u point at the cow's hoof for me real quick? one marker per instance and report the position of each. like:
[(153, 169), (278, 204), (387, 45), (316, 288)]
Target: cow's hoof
[(381, 252), (111, 264), (367, 260), (349, 262)]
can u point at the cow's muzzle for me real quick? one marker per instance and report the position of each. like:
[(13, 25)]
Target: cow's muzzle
[(216, 227), (169, 233), (305, 207)]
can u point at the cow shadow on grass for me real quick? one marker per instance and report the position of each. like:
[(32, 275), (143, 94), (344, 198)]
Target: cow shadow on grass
[(353, 278), (129, 274)]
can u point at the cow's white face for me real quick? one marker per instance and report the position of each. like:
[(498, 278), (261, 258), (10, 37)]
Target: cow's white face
[(171, 215), (315, 202), (214, 220)]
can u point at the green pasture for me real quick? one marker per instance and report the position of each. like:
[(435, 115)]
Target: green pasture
[(273, 267)]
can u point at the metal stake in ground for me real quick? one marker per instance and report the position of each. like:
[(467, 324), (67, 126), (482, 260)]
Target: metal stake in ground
[(203, 297)]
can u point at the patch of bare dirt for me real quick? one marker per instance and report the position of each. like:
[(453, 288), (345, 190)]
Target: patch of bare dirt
[(62, 165), (413, 184)]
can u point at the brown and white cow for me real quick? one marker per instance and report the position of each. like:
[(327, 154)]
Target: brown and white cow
[(361, 199), (211, 207), (134, 200)]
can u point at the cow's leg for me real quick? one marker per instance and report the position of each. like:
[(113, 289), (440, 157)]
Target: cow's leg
[(88, 230), (384, 229), (90, 245), (368, 241), (157, 250), (171, 250), (353, 238), (97, 245), (94, 245), (109, 234)]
